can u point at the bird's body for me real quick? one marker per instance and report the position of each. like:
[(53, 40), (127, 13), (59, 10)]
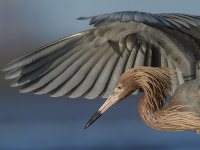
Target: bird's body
[(93, 62)]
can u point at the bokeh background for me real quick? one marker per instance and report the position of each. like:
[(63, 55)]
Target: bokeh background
[(30, 122)]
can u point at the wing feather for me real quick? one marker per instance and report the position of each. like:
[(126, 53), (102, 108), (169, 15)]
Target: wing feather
[(163, 61), (132, 57), (118, 70), (53, 73), (41, 52), (67, 70), (148, 57), (30, 73), (77, 77), (140, 59), (92, 75), (103, 78)]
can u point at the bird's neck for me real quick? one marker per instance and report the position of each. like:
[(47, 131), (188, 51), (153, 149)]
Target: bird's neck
[(173, 116), (161, 115), (155, 82), (148, 109), (153, 108)]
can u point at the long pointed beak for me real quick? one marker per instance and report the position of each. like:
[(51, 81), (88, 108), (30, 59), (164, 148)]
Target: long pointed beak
[(112, 99)]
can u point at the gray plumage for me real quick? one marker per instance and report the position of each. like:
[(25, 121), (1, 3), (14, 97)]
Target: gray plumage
[(89, 63)]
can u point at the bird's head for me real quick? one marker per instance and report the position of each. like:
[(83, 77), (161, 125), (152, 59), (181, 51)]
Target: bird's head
[(124, 87), (138, 78)]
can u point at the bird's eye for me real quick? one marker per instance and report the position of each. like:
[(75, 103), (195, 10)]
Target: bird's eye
[(119, 86)]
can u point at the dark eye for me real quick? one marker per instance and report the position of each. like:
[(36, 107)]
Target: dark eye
[(119, 86)]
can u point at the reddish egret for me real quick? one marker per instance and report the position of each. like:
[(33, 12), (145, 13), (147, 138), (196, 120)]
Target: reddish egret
[(125, 51)]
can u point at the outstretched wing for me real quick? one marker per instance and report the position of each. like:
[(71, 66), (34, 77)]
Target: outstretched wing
[(89, 63)]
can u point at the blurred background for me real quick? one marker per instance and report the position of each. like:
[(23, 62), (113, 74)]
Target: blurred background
[(30, 122)]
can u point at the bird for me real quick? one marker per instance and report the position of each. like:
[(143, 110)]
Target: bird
[(124, 53)]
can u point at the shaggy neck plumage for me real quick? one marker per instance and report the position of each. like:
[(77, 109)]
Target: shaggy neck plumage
[(153, 108), (155, 82)]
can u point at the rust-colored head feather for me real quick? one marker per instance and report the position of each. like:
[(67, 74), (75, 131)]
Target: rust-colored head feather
[(155, 82)]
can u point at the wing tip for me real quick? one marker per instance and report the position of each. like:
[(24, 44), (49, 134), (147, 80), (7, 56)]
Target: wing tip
[(15, 84), (11, 65), (83, 18), (22, 91), (11, 75), (6, 67), (55, 95)]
